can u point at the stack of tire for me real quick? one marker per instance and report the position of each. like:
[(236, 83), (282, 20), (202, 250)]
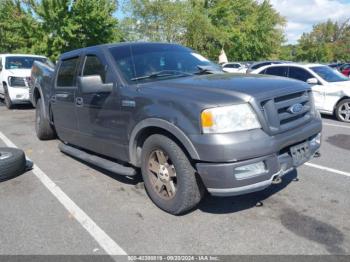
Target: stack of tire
[(12, 163)]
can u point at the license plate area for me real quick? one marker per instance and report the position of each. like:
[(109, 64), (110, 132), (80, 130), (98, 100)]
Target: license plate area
[(300, 153)]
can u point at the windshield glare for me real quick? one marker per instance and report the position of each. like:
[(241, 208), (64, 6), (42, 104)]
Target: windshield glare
[(329, 74), (146, 60), (22, 62)]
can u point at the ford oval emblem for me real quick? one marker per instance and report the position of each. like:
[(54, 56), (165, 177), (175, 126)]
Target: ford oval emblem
[(295, 109)]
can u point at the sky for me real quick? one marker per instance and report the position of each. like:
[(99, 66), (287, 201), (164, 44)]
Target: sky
[(301, 15)]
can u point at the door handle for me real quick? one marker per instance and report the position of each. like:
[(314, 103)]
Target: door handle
[(79, 101), (53, 99)]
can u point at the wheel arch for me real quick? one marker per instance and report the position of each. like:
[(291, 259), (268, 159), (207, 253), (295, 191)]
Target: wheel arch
[(152, 126)]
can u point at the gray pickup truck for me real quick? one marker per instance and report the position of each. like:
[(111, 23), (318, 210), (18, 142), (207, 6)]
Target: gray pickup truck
[(168, 111)]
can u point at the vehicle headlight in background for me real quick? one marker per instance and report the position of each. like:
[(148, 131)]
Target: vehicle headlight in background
[(228, 119), (15, 81)]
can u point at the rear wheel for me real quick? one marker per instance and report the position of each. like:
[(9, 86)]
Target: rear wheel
[(342, 111), (170, 179), (43, 128)]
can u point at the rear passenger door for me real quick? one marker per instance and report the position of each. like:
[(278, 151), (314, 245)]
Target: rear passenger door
[(317, 90), (277, 71), (63, 100)]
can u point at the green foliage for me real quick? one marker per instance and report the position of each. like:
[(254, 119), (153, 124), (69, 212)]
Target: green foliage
[(155, 20), (250, 30), (287, 53), (329, 41), (51, 27), (246, 29), (16, 34)]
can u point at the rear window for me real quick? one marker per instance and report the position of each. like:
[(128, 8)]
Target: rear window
[(67, 72)]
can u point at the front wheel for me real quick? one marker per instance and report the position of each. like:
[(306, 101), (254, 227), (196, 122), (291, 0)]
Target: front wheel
[(342, 111), (170, 180), (7, 98)]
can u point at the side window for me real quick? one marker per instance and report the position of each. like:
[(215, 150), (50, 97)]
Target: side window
[(299, 74), (277, 71), (94, 66), (67, 72)]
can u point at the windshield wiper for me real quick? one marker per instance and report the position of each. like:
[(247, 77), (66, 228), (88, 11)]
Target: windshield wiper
[(205, 70), (162, 73)]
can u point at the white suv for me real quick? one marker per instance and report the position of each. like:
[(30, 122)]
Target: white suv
[(233, 67), (15, 70), (330, 88)]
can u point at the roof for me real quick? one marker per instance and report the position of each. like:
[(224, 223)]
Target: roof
[(121, 44)]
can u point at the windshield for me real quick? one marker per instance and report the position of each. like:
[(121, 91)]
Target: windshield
[(22, 62), (329, 74), (151, 62)]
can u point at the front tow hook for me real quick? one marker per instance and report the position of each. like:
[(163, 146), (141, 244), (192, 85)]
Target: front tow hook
[(276, 180)]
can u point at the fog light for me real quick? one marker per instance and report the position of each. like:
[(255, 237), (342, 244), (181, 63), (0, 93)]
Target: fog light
[(250, 170), (316, 140)]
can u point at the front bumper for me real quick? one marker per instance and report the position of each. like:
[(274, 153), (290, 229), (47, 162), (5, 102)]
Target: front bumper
[(19, 95), (221, 179)]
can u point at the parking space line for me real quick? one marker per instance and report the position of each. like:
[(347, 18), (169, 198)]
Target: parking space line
[(105, 241), (328, 169), (334, 125)]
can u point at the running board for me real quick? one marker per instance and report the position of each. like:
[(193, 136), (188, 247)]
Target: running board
[(97, 161)]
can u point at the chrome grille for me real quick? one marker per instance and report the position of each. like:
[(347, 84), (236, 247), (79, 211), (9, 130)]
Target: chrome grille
[(17, 81), (278, 112)]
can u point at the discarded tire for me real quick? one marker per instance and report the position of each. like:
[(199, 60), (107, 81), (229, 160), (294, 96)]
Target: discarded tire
[(12, 163)]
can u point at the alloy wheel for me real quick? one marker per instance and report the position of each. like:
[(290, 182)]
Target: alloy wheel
[(344, 111), (162, 174)]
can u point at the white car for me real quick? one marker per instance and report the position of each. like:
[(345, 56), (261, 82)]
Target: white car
[(233, 67), (15, 70), (330, 88)]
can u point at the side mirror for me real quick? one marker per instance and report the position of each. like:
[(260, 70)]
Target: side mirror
[(312, 81), (94, 84)]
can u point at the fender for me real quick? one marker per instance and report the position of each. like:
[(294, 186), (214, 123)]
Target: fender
[(41, 96), (163, 124)]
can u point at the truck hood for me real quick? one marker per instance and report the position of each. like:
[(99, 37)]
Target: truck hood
[(239, 86), (19, 72)]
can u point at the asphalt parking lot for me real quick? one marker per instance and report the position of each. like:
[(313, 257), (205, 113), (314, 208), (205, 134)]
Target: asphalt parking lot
[(309, 216)]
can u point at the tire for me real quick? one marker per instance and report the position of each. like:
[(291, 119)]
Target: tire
[(12, 163), (7, 98), (188, 188), (342, 111), (43, 128)]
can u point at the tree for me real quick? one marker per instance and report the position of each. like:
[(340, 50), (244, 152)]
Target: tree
[(328, 41), (247, 30), (16, 25), (251, 30), (200, 33), (70, 24), (155, 20), (51, 27)]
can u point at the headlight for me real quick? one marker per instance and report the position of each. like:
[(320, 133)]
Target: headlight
[(16, 81), (229, 119)]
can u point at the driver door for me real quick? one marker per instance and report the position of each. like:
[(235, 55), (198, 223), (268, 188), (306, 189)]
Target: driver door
[(98, 112)]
